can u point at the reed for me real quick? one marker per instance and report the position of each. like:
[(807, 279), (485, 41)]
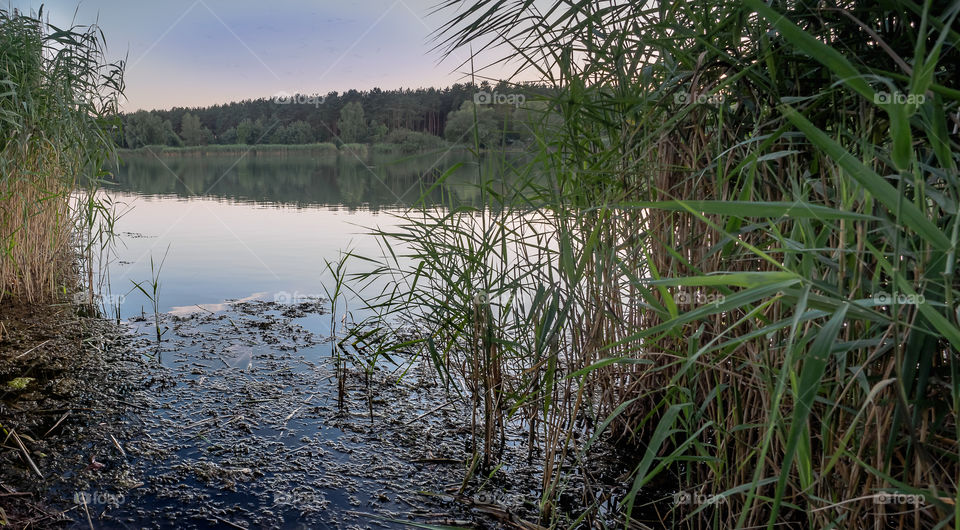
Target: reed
[(732, 253), (321, 149), (151, 290), (355, 150), (58, 97)]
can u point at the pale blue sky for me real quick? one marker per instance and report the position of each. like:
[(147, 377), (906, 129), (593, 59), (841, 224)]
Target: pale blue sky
[(201, 52)]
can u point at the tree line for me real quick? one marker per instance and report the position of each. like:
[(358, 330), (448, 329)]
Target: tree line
[(415, 118)]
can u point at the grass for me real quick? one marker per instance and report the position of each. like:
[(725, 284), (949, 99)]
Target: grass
[(152, 292), (733, 255), (317, 148), (328, 149), (407, 142), (359, 150), (58, 101), (381, 147), (335, 294)]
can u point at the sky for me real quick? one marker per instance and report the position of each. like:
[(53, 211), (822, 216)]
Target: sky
[(190, 53)]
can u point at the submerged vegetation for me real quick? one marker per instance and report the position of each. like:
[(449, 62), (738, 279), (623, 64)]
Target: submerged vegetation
[(58, 100), (732, 255)]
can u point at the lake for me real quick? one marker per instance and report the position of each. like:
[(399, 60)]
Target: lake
[(240, 416), (229, 227)]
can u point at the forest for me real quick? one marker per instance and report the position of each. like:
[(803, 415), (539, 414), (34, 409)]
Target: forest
[(413, 118)]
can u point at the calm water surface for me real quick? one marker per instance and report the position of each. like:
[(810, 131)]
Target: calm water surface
[(261, 227), (237, 421)]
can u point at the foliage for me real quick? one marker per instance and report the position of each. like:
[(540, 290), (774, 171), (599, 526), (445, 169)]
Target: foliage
[(315, 148), (146, 128), (422, 110), (298, 132), (57, 97), (192, 132), (408, 141), (378, 131), (356, 150), (472, 122), (352, 125), (251, 131), (734, 258)]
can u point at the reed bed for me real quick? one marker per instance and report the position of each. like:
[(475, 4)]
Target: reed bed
[(58, 102), (732, 254), (323, 149), (357, 150)]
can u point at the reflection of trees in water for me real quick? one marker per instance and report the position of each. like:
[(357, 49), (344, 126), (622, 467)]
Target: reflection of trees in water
[(352, 182), (303, 180)]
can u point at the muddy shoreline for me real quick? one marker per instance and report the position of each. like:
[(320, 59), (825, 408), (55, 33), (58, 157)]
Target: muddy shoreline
[(57, 368), (234, 422)]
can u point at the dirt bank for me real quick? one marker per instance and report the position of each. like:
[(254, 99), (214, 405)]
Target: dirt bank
[(57, 369)]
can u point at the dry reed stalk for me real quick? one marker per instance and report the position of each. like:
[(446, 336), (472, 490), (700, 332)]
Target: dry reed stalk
[(37, 226)]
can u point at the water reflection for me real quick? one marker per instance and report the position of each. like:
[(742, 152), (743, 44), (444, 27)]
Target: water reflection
[(375, 182), (236, 227)]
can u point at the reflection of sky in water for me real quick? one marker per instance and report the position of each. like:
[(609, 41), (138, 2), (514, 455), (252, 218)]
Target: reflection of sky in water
[(261, 227), (221, 251), (213, 308)]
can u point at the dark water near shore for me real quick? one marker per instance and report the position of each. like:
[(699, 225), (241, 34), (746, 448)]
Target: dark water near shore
[(239, 425)]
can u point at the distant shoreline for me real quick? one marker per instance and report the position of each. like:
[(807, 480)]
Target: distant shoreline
[(327, 148), (213, 149)]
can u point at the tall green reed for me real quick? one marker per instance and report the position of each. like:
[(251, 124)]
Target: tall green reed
[(58, 103), (732, 253), (151, 290)]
